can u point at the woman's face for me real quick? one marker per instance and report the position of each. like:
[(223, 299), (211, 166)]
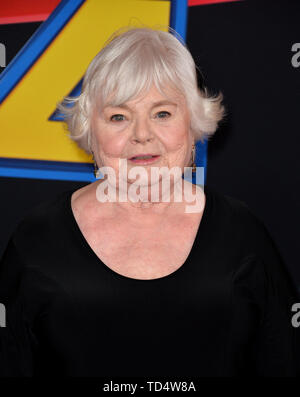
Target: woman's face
[(148, 124)]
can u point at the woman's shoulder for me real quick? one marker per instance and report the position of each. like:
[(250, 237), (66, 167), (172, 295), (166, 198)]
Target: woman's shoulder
[(230, 210), (240, 231), (44, 215), (40, 227), (239, 224), (34, 246)]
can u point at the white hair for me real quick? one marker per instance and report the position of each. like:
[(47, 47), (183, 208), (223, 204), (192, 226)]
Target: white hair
[(130, 63)]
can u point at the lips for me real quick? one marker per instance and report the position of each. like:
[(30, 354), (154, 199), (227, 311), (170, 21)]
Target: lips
[(143, 156), (144, 159)]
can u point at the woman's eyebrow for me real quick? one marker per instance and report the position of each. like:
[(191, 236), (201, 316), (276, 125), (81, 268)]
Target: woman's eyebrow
[(164, 102), (155, 104)]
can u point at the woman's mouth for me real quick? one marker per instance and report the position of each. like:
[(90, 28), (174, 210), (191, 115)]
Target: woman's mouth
[(144, 159)]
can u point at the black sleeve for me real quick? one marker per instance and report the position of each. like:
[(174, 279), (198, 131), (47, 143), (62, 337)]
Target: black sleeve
[(33, 301), (17, 342), (277, 340), (264, 293)]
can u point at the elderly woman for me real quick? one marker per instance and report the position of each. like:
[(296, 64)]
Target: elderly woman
[(107, 280)]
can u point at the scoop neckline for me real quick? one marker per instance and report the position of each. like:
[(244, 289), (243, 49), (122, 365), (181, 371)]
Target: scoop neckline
[(183, 268)]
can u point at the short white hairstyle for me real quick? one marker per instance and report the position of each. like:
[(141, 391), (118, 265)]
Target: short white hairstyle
[(132, 60)]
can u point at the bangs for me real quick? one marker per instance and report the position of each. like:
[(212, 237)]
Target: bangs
[(129, 77)]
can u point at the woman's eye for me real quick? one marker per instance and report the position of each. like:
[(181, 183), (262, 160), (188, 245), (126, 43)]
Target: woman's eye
[(117, 117), (163, 115)]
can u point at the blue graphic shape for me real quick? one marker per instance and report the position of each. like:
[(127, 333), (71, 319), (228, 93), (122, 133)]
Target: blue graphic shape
[(57, 115)]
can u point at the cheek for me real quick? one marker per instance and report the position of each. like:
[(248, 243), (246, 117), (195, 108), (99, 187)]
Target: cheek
[(110, 143), (176, 138), (111, 146)]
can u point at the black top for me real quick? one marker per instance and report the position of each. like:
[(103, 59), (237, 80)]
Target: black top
[(225, 312)]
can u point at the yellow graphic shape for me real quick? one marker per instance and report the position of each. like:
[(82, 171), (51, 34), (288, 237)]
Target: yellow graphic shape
[(25, 130)]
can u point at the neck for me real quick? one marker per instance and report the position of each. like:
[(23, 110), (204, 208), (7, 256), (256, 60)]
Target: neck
[(164, 201)]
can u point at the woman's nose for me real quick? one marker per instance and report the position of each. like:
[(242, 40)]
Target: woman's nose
[(142, 131)]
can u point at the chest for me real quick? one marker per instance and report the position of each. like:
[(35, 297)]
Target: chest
[(143, 253)]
